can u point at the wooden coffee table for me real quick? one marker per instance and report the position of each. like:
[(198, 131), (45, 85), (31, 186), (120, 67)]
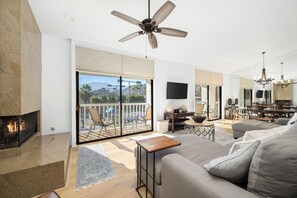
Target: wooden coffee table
[(151, 145), (201, 129)]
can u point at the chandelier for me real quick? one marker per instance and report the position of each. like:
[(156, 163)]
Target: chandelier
[(282, 83), (263, 79)]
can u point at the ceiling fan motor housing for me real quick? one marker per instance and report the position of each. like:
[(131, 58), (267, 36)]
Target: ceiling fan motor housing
[(148, 26)]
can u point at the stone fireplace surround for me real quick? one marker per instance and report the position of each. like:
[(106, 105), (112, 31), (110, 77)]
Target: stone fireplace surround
[(39, 164), (20, 73)]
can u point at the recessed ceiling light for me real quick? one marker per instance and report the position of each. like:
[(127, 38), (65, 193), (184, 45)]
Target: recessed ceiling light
[(68, 17)]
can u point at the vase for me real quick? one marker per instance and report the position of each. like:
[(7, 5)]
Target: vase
[(184, 108), (169, 109)]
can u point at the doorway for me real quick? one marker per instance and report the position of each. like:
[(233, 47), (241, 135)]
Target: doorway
[(210, 96), (110, 106)]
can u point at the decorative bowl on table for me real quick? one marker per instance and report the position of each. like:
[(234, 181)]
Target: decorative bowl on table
[(199, 119)]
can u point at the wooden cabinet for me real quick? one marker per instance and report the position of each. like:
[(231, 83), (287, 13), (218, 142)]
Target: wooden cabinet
[(176, 120)]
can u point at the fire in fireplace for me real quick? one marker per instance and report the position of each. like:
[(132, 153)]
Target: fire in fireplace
[(15, 130)]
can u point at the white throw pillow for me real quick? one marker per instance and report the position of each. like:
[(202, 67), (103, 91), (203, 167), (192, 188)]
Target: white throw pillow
[(293, 119), (262, 135)]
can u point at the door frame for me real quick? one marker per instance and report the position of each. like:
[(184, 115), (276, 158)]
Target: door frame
[(207, 101), (121, 113)]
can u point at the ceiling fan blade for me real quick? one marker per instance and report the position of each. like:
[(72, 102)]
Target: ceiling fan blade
[(153, 40), (172, 32), (130, 36), (163, 12), (125, 17)]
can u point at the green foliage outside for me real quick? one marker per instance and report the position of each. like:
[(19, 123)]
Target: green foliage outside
[(85, 93), (87, 97)]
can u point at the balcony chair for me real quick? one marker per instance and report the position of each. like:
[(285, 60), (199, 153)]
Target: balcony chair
[(97, 120), (236, 113), (132, 121), (147, 116), (214, 111), (199, 109)]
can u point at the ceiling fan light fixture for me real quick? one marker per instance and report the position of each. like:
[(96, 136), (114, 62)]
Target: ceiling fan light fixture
[(149, 25)]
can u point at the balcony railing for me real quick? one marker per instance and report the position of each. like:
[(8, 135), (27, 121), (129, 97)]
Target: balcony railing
[(111, 111)]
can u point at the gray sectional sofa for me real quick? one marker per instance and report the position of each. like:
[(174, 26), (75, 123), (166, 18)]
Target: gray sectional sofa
[(180, 172), (240, 128)]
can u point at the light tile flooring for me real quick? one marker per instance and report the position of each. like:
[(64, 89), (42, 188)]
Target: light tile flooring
[(120, 153)]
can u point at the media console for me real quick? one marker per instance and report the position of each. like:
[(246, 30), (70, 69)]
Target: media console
[(177, 120)]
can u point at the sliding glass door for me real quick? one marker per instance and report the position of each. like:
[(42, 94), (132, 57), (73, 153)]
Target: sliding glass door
[(214, 111), (248, 97), (208, 98), (110, 107), (136, 105)]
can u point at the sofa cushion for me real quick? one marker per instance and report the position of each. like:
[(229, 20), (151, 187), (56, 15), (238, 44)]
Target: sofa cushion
[(234, 167), (266, 125), (273, 169), (194, 148), (200, 150), (246, 125)]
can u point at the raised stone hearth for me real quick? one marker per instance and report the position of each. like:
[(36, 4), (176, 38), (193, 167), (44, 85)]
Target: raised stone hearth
[(39, 167)]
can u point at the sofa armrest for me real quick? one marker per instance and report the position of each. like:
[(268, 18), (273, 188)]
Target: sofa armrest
[(183, 178), (282, 121)]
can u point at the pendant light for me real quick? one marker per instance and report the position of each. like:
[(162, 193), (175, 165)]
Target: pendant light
[(263, 79), (282, 83)]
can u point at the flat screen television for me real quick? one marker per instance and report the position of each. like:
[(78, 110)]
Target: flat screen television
[(177, 90)]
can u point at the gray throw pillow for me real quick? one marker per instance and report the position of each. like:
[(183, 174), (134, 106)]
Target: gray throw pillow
[(273, 170), (233, 167)]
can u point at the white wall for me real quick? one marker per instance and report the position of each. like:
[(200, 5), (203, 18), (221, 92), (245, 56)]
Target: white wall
[(56, 85), (172, 72), (234, 87)]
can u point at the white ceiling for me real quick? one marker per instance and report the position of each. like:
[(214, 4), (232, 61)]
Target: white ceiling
[(223, 35)]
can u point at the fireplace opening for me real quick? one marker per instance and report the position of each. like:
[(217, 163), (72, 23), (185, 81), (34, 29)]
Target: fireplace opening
[(15, 130)]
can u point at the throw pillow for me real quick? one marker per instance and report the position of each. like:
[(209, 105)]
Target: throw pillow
[(233, 167), (262, 135), (273, 169), (293, 119)]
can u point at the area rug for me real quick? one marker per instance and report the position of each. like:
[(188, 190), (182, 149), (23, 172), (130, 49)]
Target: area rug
[(93, 166)]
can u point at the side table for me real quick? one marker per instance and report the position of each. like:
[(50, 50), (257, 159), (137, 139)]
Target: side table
[(201, 129), (151, 145)]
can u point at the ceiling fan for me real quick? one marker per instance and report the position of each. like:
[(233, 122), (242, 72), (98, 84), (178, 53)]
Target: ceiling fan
[(150, 25)]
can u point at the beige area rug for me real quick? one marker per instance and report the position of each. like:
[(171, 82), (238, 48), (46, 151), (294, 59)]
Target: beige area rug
[(223, 133)]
